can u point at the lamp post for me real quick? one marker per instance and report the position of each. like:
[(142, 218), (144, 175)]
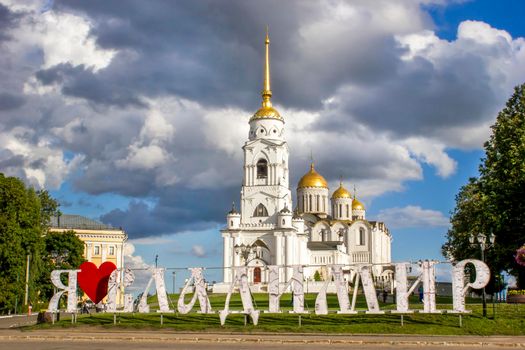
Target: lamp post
[(481, 240), (173, 275), (245, 251)]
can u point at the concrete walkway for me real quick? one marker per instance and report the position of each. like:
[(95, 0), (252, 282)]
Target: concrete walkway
[(103, 335)]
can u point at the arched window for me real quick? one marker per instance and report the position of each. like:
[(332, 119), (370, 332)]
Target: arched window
[(361, 236), (260, 210), (262, 169)]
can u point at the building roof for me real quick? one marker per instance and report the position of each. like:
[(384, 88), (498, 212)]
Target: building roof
[(68, 221)]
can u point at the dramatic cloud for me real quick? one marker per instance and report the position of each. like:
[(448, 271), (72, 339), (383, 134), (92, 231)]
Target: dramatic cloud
[(151, 100), (412, 216)]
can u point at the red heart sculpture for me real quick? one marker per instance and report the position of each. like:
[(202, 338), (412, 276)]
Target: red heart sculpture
[(94, 280)]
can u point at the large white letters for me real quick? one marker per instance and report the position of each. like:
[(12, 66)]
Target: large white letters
[(460, 288), (200, 293), (71, 290)]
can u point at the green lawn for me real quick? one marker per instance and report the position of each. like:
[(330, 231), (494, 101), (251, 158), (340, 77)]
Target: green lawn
[(508, 320)]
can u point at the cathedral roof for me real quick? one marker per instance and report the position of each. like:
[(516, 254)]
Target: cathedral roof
[(285, 210), (341, 192), (312, 179), (357, 205), (266, 113)]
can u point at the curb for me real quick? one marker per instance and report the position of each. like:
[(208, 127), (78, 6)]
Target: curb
[(259, 339)]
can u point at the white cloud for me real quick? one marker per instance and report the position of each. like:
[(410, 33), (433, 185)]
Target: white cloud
[(412, 216), (43, 164), (198, 250), (433, 153), (62, 37), (139, 267)]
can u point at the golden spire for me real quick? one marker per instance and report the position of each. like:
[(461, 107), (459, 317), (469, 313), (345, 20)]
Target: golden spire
[(267, 91), (266, 111)]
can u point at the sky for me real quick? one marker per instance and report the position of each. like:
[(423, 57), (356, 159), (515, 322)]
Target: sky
[(134, 113)]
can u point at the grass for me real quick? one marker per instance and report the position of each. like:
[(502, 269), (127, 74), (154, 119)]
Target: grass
[(508, 320)]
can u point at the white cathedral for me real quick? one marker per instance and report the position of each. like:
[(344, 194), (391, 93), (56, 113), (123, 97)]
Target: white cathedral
[(322, 229)]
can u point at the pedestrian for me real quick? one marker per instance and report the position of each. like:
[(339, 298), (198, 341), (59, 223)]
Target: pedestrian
[(385, 294), (420, 290)]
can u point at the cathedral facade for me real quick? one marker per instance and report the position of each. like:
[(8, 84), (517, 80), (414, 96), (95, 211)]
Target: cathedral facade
[(324, 228)]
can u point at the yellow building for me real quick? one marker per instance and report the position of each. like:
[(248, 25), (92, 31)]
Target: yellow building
[(101, 242)]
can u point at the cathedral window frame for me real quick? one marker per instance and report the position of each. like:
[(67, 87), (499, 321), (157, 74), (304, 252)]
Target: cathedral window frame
[(361, 237), (262, 168), (260, 211)]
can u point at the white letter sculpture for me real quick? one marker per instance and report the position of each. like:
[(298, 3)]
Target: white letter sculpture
[(114, 284), (297, 289), (402, 291), (200, 292), (158, 277), (71, 290), (241, 278), (459, 288)]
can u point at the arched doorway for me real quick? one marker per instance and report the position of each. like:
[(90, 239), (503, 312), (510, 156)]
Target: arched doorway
[(257, 275)]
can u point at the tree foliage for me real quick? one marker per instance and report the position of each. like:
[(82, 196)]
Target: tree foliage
[(63, 251), (495, 202), (24, 219)]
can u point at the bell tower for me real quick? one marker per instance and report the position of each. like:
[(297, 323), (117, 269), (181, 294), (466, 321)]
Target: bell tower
[(265, 189)]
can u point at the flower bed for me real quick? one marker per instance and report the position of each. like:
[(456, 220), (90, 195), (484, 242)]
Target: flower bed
[(516, 296)]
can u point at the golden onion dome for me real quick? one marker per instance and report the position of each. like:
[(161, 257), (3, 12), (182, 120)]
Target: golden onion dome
[(312, 179), (266, 112), (341, 192), (357, 205)]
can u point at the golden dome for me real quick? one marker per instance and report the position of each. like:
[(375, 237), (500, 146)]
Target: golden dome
[(312, 179), (357, 205), (266, 113), (341, 192)]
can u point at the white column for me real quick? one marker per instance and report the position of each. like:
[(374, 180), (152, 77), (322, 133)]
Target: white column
[(246, 174), (289, 256), (279, 254), (227, 259), (104, 251), (118, 253), (89, 251)]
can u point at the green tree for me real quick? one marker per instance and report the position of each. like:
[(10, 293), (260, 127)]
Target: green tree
[(495, 201), (20, 235), (63, 250)]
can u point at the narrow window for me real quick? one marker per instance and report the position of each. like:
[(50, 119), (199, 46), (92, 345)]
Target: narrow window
[(260, 210), (262, 169), (347, 211), (340, 210), (97, 250), (361, 236), (111, 250)]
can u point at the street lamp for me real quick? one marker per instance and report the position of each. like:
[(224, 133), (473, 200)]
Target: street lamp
[(481, 240), (246, 251)]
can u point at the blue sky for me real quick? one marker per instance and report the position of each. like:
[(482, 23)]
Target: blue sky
[(136, 115)]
